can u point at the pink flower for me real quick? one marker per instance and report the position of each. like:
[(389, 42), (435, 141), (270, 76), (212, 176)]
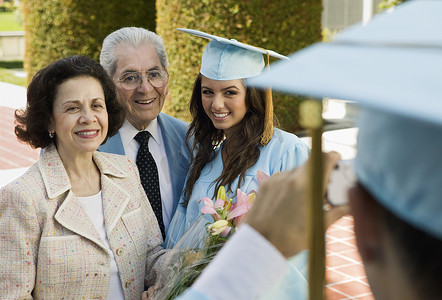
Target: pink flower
[(241, 208), (219, 204), (261, 177), (209, 208), (223, 209)]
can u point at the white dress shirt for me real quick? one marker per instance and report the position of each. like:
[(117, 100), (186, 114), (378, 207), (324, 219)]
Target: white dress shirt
[(158, 151)]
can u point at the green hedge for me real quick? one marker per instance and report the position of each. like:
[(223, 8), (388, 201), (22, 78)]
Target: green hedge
[(282, 26), (386, 4), (6, 7), (58, 28)]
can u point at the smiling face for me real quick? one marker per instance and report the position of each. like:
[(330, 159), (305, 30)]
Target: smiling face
[(224, 101), (79, 117), (144, 103)]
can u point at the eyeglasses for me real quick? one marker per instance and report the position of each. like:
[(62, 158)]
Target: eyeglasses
[(132, 80)]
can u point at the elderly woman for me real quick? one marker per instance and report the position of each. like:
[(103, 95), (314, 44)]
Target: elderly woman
[(77, 224)]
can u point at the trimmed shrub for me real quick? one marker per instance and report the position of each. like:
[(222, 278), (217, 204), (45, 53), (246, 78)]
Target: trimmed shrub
[(6, 6), (386, 4), (282, 26), (58, 28)]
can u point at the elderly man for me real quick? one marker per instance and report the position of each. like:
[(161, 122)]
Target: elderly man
[(136, 60)]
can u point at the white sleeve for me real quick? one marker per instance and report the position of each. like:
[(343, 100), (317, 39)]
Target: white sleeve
[(246, 267)]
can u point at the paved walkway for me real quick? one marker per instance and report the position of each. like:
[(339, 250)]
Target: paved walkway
[(345, 276), (15, 157)]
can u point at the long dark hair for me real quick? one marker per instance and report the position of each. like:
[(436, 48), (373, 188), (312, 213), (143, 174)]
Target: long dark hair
[(243, 145)]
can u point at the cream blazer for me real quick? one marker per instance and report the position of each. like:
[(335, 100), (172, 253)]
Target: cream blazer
[(49, 248)]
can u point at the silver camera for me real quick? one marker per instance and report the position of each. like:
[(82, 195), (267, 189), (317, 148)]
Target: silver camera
[(341, 179)]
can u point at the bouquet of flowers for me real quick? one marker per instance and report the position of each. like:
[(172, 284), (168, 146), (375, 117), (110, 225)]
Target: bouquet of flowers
[(204, 239)]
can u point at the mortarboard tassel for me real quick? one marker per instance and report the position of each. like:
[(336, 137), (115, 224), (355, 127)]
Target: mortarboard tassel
[(268, 119)]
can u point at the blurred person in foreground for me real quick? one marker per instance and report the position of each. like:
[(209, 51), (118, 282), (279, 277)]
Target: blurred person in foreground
[(78, 223), (136, 59)]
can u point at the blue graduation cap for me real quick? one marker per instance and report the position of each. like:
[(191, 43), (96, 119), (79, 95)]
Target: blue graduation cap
[(392, 63), (225, 59), (391, 67)]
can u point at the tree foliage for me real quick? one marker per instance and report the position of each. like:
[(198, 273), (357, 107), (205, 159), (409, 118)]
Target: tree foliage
[(58, 28), (386, 4)]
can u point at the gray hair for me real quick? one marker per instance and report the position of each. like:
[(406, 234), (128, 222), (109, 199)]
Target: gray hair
[(130, 36)]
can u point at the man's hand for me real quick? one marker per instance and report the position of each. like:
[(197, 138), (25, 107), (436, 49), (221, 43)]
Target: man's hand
[(279, 212)]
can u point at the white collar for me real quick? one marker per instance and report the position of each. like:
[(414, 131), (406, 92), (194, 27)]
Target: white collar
[(128, 131)]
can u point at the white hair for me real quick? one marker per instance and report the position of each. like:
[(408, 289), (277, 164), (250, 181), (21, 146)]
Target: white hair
[(130, 36)]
